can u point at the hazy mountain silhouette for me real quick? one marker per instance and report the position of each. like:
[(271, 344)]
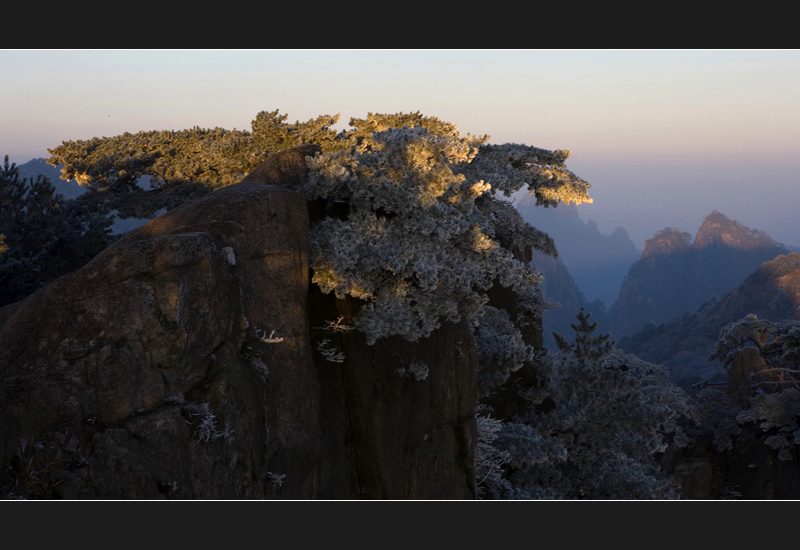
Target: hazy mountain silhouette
[(559, 287), (674, 276), (35, 167), (597, 262), (772, 292)]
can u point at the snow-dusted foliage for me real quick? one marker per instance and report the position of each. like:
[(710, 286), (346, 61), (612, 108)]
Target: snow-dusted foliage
[(776, 414), (716, 416), (595, 428), (773, 408), (778, 343), (416, 370), (501, 349), (426, 235), (204, 423), (489, 460)]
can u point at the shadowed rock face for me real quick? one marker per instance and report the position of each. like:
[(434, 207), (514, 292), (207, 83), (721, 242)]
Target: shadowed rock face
[(181, 362), (401, 414), (142, 374)]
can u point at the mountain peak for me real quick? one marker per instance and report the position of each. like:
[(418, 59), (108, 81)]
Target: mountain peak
[(666, 241), (720, 230)]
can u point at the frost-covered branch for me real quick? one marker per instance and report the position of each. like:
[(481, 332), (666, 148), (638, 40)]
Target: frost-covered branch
[(425, 237)]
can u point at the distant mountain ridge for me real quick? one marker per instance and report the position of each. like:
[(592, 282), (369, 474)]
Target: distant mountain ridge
[(597, 262), (674, 275), (35, 167), (771, 292)]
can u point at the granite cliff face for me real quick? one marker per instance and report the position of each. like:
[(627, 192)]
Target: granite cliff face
[(192, 360), (674, 276)]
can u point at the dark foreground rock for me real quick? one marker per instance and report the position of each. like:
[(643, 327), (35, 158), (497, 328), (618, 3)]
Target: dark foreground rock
[(192, 360)]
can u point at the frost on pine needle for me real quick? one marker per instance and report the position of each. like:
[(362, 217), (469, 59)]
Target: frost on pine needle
[(204, 423), (330, 353), (426, 237), (501, 349), (268, 339), (489, 460), (337, 325), (276, 479)]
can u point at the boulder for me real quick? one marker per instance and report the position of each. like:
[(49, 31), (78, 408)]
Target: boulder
[(287, 168), (149, 372)]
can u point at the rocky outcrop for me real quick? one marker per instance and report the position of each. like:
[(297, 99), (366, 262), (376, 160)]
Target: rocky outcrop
[(286, 169), (192, 360), (675, 277), (746, 366), (717, 229), (399, 415)]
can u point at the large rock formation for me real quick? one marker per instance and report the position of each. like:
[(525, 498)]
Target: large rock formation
[(675, 276), (191, 360)]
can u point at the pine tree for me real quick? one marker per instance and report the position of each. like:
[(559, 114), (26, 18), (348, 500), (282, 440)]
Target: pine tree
[(595, 426), (44, 236), (215, 157), (586, 348)]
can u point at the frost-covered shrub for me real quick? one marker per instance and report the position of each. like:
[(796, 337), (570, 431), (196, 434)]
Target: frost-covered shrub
[(716, 416), (204, 423), (776, 414), (597, 426), (417, 370), (773, 407), (488, 458), (501, 349), (427, 233)]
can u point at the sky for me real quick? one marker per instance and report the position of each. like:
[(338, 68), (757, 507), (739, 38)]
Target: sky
[(664, 137)]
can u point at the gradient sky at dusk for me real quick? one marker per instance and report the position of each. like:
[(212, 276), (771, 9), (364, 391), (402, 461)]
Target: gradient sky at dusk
[(663, 136)]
